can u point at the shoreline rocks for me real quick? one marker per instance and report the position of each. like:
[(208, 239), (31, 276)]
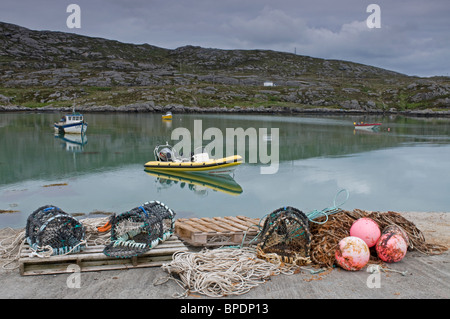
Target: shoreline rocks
[(150, 107)]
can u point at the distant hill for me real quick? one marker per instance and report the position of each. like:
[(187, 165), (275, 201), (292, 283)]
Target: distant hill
[(46, 70)]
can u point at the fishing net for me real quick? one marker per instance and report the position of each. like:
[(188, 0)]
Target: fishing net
[(326, 236), (416, 239), (285, 236), (139, 230), (52, 230)]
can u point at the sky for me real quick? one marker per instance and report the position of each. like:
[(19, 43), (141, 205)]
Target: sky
[(413, 36)]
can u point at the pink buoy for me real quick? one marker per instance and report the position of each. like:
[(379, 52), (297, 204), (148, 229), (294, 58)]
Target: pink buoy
[(366, 229), (391, 247), (398, 231), (352, 253)]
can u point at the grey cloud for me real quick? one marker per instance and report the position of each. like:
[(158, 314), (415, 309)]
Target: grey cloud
[(414, 37)]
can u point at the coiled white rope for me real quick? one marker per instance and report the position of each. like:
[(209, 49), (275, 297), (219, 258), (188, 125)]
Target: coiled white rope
[(10, 252), (221, 272)]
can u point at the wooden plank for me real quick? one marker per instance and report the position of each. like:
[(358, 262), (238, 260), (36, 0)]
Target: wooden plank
[(223, 223), (220, 222), (172, 241), (194, 224), (157, 251), (241, 225), (216, 231), (93, 259), (208, 224), (248, 227), (85, 266), (212, 225), (185, 231), (252, 221)]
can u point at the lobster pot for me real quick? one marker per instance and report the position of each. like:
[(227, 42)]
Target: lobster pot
[(140, 229), (286, 237), (50, 227)]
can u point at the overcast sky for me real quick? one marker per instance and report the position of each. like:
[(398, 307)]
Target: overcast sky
[(414, 37)]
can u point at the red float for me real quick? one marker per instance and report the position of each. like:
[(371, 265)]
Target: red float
[(398, 231), (391, 247)]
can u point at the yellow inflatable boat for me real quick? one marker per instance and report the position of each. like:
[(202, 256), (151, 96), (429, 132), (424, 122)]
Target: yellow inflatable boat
[(167, 116), (168, 160)]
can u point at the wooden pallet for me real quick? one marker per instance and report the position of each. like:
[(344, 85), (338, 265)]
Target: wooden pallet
[(93, 259), (216, 231)]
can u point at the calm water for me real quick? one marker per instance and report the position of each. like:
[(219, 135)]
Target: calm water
[(403, 167)]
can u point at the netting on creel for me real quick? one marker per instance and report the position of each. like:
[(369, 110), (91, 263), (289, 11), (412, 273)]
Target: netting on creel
[(140, 229), (50, 229), (285, 236)]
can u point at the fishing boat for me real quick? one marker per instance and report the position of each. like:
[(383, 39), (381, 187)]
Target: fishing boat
[(366, 126), (71, 123), (167, 116), (168, 159)]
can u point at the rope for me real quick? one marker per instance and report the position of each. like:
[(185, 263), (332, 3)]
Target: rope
[(93, 236), (11, 252), (41, 252), (221, 272), (329, 210), (373, 269)]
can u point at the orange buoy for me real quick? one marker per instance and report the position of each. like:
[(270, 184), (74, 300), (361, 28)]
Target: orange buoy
[(366, 229), (352, 253)]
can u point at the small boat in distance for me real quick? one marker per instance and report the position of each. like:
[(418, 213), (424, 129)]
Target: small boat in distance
[(71, 123), (167, 116), (167, 159), (366, 126)]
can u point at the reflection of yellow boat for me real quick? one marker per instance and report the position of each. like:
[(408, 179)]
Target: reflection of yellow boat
[(167, 116), (168, 160), (222, 183)]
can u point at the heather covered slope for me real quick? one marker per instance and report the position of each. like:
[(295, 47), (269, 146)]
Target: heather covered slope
[(44, 69)]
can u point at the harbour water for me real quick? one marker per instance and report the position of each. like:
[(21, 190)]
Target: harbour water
[(405, 166)]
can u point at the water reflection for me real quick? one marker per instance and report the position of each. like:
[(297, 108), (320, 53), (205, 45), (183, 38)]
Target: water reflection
[(403, 168), (72, 142), (196, 182)]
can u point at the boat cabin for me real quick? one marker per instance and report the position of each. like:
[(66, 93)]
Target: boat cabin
[(72, 118)]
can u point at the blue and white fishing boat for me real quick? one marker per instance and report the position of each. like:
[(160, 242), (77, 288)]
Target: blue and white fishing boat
[(71, 123)]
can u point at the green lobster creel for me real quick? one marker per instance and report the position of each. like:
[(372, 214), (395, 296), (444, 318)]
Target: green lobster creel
[(286, 236), (140, 229), (51, 229)]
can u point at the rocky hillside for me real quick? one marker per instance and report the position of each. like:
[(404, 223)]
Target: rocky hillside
[(47, 70)]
